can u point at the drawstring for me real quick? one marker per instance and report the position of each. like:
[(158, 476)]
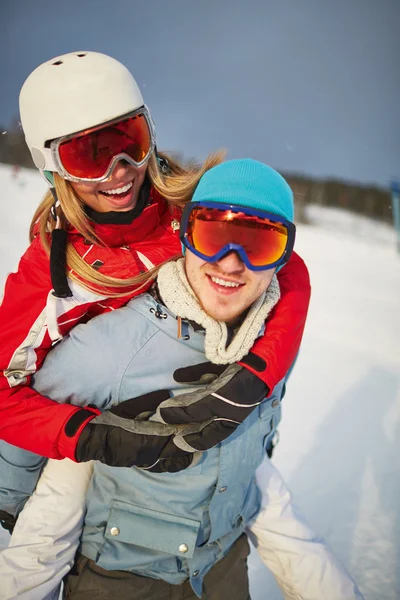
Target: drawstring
[(58, 254), (183, 329)]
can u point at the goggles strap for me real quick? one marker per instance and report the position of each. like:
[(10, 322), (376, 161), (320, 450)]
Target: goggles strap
[(48, 165)]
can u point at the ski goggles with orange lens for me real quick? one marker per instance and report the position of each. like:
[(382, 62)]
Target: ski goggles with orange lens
[(213, 229), (91, 155)]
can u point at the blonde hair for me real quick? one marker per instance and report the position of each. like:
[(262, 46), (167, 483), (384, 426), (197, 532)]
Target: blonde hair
[(176, 187)]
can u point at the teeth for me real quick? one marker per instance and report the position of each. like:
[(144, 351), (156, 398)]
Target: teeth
[(224, 283), (120, 190)]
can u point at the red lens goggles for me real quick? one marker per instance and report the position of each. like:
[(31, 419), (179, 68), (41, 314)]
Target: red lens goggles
[(90, 155), (212, 229)]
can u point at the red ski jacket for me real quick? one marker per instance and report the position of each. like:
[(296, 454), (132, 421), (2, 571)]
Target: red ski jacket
[(33, 320)]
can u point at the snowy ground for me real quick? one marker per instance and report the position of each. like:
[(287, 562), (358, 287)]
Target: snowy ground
[(340, 435)]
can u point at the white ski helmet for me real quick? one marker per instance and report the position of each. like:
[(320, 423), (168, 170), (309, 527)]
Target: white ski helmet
[(73, 92)]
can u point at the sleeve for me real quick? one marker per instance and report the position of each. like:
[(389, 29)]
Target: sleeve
[(27, 419), (88, 365), (79, 371), (42, 548), (302, 563), (272, 355)]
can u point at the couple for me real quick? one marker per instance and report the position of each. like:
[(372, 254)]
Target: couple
[(151, 534)]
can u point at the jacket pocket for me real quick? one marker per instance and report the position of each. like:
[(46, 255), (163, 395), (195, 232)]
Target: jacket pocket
[(133, 524)]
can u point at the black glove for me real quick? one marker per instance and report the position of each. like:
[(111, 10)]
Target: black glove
[(217, 409), (7, 521), (118, 440)]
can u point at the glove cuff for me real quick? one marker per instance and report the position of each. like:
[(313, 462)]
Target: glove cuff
[(257, 365), (71, 432)]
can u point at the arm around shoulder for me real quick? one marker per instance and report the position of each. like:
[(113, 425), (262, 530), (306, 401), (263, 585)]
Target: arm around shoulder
[(276, 351), (28, 419)]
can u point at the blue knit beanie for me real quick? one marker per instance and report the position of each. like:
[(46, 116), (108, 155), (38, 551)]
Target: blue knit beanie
[(249, 183)]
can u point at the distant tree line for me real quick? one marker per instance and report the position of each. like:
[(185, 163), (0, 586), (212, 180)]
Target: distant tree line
[(13, 149), (370, 201)]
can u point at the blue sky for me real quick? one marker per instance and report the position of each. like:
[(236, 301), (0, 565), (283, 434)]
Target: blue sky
[(307, 86)]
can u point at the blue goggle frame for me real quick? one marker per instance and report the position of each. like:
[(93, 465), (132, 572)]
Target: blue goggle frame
[(291, 229)]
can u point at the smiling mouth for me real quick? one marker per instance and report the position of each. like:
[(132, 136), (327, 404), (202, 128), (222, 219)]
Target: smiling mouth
[(224, 282), (224, 286), (118, 192)]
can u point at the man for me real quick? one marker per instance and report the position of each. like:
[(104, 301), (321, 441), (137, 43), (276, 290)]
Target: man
[(156, 535)]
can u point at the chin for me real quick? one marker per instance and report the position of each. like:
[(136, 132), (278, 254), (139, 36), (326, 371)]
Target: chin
[(220, 315)]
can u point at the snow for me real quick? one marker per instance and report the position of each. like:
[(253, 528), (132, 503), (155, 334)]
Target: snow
[(20, 197), (339, 445)]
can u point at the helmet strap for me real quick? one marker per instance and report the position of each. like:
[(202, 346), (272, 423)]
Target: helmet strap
[(58, 254)]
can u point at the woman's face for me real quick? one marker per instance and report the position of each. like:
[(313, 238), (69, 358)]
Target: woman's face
[(119, 192)]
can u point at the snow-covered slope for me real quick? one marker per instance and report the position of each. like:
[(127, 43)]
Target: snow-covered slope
[(21, 194), (340, 435)]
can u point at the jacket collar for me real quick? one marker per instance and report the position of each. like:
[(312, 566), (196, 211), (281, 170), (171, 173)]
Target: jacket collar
[(154, 292)]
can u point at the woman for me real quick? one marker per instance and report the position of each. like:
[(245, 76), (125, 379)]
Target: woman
[(110, 216)]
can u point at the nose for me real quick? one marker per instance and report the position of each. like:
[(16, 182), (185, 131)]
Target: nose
[(231, 263), (120, 169)]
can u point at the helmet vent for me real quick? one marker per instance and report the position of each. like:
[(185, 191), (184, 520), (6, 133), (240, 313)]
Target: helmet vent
[(59, 62), (81, 55)]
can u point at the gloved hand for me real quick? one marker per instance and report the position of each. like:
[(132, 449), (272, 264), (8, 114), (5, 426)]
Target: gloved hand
[(214, 411), (118, 440), (206, 416)]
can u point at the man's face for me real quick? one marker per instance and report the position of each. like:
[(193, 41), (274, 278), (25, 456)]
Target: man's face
[(226, 288)]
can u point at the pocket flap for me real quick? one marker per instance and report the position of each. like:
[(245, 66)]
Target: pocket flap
[(134, 524)]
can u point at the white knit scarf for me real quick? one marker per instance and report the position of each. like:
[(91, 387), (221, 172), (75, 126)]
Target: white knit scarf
[(179, 298)]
